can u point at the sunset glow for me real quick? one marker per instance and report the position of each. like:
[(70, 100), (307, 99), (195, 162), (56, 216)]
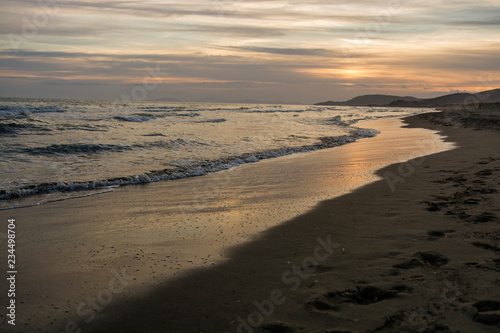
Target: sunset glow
[(221, 50)]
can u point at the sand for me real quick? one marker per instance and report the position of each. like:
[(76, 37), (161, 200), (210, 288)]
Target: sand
[(416, 250)]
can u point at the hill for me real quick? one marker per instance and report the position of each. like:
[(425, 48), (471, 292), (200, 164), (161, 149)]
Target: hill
[(490, 96), (370, 100)]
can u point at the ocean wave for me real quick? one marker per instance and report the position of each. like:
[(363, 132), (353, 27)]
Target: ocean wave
[(158, 108), (220, 120), (181, 169), (138, 118), (88, 148), (170, 144), (5, 116), (15, 128), (47, 109), (76, 148), (143, 117), (337, 120), (13, 109), (90, 128), (192, 114), (277, 111), (154, 134), (11, 128)]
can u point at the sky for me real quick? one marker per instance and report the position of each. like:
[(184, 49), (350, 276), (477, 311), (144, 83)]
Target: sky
[(247, 51)]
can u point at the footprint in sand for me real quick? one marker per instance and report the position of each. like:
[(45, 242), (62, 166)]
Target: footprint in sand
[(488, 313), (278, 328), (431, 259), (484, 173), (485, 217), (364, 295)]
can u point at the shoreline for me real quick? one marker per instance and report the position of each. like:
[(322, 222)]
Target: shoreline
[(51, 191), (403, 268), (255, 280), (46, 191), (80, 189)]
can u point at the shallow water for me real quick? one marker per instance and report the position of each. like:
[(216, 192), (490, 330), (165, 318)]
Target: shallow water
[(55, 149)]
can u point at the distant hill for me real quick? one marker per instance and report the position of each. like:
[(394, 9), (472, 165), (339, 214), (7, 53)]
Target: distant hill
[(370, 100), (490, 96)]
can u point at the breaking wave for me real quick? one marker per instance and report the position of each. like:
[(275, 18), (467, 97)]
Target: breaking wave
[(85, 148), (188, 169)]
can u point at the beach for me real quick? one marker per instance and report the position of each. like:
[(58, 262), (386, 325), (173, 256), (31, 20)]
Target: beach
[(222, 166), (409, 247)]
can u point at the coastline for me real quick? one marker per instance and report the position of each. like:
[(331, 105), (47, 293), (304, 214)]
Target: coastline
[(405, 268), (350, 284)]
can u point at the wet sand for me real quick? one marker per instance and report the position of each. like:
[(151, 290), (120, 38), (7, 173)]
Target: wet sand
[(390, 255)]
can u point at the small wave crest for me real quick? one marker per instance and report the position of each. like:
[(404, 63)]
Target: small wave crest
[(337, 120), (191, 114), (88, 148), (181, 169), (89, 128), (277, 111), (78, 148), (12, 128), (215, 121), (137, 118), (143, 117), (14, 109), (170, 144)]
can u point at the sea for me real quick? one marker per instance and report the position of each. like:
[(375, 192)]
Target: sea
[(57, 149)]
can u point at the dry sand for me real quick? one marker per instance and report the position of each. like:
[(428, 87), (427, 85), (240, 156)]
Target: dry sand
[(415, 251)]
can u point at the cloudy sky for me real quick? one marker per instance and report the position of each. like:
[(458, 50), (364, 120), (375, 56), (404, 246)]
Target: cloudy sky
[(242, 50)]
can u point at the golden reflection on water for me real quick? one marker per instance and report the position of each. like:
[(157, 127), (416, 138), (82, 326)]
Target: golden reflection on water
[(231, 206), (165, 229)]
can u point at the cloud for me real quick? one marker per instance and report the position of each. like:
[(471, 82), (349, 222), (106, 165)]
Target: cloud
[(209, 44), (287, 51)]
